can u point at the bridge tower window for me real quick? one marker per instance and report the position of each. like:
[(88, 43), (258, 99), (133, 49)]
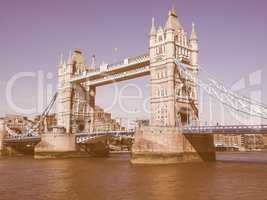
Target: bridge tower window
[(160, 49)]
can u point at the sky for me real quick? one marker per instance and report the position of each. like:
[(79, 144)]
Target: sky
[(232, 42)]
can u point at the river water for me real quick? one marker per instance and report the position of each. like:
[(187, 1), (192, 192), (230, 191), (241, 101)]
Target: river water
[(240, 176)]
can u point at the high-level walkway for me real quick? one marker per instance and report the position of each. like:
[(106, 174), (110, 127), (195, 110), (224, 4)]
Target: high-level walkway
[(126, 69)]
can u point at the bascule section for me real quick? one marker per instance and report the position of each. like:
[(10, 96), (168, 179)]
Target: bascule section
[(19, 135), (15, 140)]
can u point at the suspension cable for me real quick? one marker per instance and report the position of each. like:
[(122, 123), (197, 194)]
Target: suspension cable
[(230, 91), (229, 98)]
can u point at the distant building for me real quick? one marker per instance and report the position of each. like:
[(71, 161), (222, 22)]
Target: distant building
[(17, 123), (142, 122), (265, 141), (103, 121), (235, 142), (228, 142), (47, 123), (253, 142)]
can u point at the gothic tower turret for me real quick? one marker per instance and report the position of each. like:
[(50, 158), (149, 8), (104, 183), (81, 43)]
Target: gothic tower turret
[(162, 68), (172, 95), (194, 46), (64, 93), (75, 65)]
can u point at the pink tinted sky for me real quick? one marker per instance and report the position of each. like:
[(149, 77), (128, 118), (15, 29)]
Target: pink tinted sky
[(232, 37)]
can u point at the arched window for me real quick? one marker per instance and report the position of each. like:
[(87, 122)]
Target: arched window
[(189, 92), (162, 92), (74, 68), (160, 49), (176, 38), (184, 90)]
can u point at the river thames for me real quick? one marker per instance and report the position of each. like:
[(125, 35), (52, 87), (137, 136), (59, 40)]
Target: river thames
[(240, 176)]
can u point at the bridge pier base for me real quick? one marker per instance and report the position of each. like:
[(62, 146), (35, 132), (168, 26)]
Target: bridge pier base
[(57, 144), (167, 145), (2, 135), (1, 144)]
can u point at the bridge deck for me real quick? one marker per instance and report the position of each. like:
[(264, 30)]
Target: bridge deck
[(231, 130), (124, 70), (236, 129), (93, 137), (7, 141), (83, 137)]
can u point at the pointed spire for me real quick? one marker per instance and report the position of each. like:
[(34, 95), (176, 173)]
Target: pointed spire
[(160, 29), (153, 30), (61, 59), (93, 63), (194, 32), (69, 58), (173, 11), (173, 21), (64, 63)]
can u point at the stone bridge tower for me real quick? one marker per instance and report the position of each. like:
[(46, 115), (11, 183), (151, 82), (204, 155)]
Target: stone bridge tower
[(174, 101), (173, 97), (2, 134), (76, 102)]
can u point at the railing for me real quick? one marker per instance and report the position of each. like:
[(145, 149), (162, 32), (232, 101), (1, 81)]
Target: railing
[(235, 129), (97, 133), (129, 61), (84, 137), (22, 139), (109, 67), (119, 75)]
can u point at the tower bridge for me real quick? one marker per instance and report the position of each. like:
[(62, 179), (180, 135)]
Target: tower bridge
[(172, 65)]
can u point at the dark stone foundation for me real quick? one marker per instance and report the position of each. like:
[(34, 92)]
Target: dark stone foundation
[(56, 145), (59, 155), (167, 145), (167, 158), (154, 158)]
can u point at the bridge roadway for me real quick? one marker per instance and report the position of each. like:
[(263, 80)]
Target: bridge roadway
[(21, 140), (84, 137), (191, 130), (231, 129), (126, 69)]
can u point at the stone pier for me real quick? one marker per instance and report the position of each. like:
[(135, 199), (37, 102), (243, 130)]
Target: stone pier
[(2, 134), (167, 145), (56, 144)]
